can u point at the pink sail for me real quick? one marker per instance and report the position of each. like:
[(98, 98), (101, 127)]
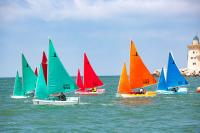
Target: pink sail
[(79, 82)]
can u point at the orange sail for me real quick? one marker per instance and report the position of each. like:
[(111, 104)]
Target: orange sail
[(124, 85), (139, 74), (90, 78)]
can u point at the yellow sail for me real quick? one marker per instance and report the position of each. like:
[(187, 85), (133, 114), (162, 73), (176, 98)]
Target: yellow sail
[(124, 86)]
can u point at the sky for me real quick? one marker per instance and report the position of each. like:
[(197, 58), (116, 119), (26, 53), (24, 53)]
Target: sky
[(101, 28)]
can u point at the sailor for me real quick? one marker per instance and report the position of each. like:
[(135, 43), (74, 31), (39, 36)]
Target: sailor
[(62, 97), (141, 91), (94, 89)]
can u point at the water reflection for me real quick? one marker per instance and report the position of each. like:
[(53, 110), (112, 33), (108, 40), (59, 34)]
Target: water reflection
[(135, 101)]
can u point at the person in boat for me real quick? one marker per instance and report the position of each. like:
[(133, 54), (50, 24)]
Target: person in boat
[(62, 97), (141, 91), (94, 89), (175, 89)]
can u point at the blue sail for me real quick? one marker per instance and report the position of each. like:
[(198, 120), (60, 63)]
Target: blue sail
[(162, 82), (174, 77)]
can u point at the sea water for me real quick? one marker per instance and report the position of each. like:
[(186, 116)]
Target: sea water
[(104, 113)]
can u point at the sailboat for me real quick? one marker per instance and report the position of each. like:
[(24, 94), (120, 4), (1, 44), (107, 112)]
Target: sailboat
[(198, 90), (58, 83), (140, 77), (18, 91), (28, 78), (174, 81), (91, 80)]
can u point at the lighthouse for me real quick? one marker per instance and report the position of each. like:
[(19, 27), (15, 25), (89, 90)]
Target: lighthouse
[(193, 64)]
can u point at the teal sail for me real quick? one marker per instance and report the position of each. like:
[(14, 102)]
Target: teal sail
[(28, 76), (41, 91), (174, 77), (162, 82), (58, 78), (18, 90)]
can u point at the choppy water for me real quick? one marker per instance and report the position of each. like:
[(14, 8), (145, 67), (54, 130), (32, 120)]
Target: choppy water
[(103, 114)]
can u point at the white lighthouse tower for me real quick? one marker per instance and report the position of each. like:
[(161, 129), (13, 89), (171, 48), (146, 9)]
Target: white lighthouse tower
[(193, 65)]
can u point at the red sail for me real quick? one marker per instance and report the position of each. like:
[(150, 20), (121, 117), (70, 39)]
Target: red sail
[(44, 65), (91, 80), (36, 71), (79, 82)]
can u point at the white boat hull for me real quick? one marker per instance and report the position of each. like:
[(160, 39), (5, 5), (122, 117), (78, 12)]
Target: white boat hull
[(69, 101), (181, 90), (99, 91), (18, 97)]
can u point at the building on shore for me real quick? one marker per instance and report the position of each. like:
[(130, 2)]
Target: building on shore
[(193, 60)]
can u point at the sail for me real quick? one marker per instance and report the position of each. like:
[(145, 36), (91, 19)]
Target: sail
[(91, 80), (41, 91), (58, 78), (36, 71), (28, 76), (18, 90), (124, 85), (162, 82), (174, 77), (44, 65), (139, 74), (79, 81)]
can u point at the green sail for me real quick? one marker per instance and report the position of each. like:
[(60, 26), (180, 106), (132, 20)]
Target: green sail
[(29, 77), (41, 91), (18, 90), (58, 78)]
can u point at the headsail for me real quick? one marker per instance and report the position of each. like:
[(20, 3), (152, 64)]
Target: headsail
[(139, 74), (28, 76), (124, 85), (79, 81), (18, 90), (58, 78), (90, 78), (162, 82), (44, 65), (41, 91), (174, 77)]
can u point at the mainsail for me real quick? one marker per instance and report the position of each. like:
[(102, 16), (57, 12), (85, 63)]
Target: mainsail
[(91, 80), (174, 77), (58, 78), (139, 74)]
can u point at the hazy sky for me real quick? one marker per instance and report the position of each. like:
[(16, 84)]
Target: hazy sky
[(101, 28)]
